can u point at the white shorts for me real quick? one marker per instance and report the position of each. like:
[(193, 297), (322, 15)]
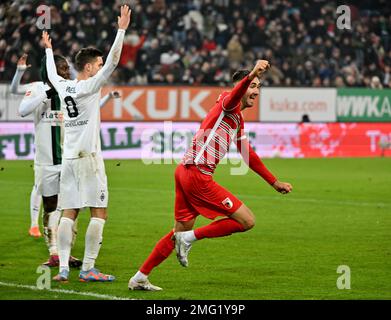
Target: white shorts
[(47, 179), (83, 183)]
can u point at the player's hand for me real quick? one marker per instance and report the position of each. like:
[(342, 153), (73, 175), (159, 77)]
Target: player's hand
[(114, 95), (259, 69), (46, 40), (124, 19), (22, 62), (282, 187)]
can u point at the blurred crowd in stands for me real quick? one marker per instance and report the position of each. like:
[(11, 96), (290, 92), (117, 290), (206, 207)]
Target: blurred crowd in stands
[(202, 42)]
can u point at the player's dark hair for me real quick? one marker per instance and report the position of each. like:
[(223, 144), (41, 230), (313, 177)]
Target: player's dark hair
[(86, 55), (43, 72), (239, 75)]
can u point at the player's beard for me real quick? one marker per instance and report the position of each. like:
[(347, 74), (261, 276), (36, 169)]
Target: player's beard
[(250, 101)]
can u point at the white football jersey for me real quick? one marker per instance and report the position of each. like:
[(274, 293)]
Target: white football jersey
[(80, 103), (47, 122)]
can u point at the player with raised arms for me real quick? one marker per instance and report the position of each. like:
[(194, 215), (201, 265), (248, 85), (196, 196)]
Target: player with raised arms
[(196, 193), (46, 179), (35, 197), (83, 177), (41, 100)]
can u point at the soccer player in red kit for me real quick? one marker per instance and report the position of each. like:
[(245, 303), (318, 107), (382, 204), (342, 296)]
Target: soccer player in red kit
[(196, 191)]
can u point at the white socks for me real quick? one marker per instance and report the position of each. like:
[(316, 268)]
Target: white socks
[(74, 233), (35, 205), (64, 242), (50, 228), (139, 276), (189, 236), (93, 242)]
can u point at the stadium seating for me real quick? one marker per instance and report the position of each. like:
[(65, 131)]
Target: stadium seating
[(202, 42)]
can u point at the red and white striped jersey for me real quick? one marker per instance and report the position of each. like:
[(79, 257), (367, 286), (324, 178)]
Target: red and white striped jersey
[(221, 126)]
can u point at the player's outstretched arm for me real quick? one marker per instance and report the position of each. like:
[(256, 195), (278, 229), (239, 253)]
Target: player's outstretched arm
[(107, 97), (96, 82), (115, 51), (255, 163), (233, 99), (51, 69), (21, 67)]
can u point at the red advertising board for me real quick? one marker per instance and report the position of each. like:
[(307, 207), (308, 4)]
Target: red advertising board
[(165, 140), (345, 140)]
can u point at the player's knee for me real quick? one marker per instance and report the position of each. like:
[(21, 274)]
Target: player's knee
[(249, 222), (100, 213)]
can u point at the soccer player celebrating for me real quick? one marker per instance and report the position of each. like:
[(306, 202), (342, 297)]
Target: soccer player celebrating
[(196, 191), (41, 100), (84, 181), (35, 197), (47, 179)]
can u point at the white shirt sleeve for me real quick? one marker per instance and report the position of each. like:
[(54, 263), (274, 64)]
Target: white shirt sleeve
[(33, 99), (16, 87), (104, 100), (94, 83), (54, 78)]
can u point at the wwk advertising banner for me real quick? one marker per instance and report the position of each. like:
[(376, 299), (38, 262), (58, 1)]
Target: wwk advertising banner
[(366, 105)]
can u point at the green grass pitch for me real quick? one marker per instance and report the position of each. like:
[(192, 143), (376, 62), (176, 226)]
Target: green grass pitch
[(339, 213)]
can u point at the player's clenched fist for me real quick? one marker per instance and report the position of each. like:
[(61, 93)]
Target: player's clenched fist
[(260, 67), (124, 19), (47, 42), (282, 187)]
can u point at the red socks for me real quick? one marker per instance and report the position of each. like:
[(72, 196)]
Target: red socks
[(162, 250), (219, 228), (165, 245)]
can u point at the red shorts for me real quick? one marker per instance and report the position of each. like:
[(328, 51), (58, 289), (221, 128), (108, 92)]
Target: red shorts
[(197, 194)]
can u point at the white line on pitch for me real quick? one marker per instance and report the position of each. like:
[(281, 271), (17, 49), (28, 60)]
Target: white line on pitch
[(87, 294)]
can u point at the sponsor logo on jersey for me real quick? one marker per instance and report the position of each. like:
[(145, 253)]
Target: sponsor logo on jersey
[(55, 118), (75, 123), (227, 203)]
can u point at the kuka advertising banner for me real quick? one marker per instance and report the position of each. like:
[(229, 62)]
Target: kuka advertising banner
[(291, 104), (169, 140), (165, 103)]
